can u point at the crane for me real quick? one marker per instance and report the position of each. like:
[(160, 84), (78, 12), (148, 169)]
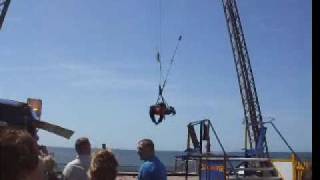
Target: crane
[(4, 5), (255, 140)]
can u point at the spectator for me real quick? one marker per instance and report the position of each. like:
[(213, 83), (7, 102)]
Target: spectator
[(103, 166), (50, 167), (19, 156), (152, 168), (77, 169), (43, 150)]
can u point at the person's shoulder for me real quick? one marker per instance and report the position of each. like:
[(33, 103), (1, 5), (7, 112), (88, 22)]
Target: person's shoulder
[(68, 164), (73, 170), (156, 159), (146, 170), (160, 163), (148, 165), (74, 162), (71, 164)]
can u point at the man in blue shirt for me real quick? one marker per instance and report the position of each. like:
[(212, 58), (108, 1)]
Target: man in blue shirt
[(152, 168)]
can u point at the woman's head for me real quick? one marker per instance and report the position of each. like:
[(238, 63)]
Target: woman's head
[(18, 155), (49, 163), (103, 166)]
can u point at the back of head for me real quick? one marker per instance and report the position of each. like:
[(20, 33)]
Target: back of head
[(146, 149), (82, 146), (19, 154), (147, 143), (103, 166)]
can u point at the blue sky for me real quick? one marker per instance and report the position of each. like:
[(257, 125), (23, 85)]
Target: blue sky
[(93, 65)]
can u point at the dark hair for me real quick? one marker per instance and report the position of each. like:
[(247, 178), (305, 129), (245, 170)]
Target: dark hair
[(147, 143), (80, 142), (18, 153), (103, 166)]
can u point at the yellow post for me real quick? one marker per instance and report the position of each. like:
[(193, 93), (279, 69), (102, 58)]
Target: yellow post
[(294, 162), (299, 168)]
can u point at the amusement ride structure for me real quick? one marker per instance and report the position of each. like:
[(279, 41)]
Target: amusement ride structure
[(254, 164), (4, 5)]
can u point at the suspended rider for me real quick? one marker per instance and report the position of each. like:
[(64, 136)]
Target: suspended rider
[(161, 108)]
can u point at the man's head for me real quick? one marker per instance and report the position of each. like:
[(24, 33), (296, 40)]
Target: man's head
[(145, 149), (83, 146)]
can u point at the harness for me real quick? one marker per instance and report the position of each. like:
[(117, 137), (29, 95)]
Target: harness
[(161, 107)]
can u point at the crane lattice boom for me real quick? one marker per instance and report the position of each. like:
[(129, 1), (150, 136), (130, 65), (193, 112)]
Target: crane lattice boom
[(248, 91), (4, 4)]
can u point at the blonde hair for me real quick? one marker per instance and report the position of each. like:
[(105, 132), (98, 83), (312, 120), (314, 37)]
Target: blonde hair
[(103, 166), (19, 154), (49, 163)]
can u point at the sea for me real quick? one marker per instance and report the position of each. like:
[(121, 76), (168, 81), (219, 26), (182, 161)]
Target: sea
[(129, 159)]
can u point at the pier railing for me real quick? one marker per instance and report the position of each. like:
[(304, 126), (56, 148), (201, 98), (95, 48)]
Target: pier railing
[(301, 169)]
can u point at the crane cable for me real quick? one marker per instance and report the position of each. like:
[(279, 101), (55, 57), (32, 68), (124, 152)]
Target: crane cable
[(163, 83), (161, 108), (171, 61), (163, 79), (160, 41)]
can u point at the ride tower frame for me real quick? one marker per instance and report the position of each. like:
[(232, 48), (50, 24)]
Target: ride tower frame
[(249, 97), (4, 5)]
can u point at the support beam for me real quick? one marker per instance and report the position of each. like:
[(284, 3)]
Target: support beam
[(249, 97), (4, 5)]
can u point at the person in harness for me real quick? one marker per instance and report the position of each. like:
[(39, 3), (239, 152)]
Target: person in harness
[(161, 108)]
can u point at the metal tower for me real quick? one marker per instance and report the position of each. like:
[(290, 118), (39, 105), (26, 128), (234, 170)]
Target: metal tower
[(4, 4), (255, 132)]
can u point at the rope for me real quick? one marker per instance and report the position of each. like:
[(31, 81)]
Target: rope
[(158, 57), (171, 62), (160, 17), (162, 80), (160, 42)]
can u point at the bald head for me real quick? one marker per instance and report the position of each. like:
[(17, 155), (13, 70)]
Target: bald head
[(147, 143), (145, 149)]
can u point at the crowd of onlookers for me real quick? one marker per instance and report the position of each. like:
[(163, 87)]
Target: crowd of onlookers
[(21, 158)]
